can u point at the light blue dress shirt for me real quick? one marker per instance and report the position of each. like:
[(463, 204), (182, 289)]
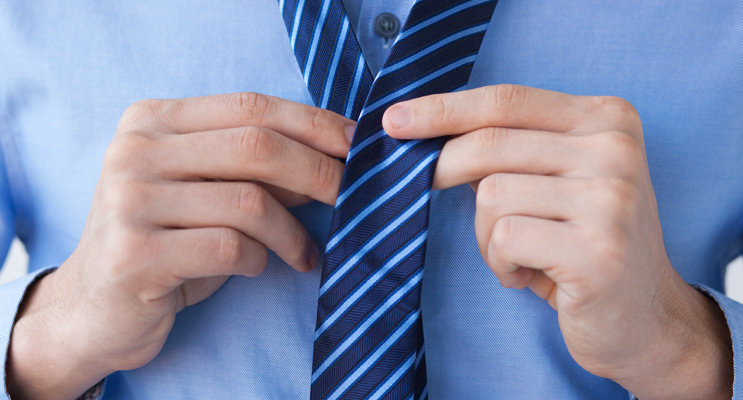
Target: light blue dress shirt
[(69, 69)]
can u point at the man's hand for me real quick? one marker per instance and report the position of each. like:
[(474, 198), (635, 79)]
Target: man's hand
[(565, 207), (191, 192)]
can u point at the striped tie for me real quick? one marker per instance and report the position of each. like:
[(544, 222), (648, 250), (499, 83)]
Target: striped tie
[(369, 335)]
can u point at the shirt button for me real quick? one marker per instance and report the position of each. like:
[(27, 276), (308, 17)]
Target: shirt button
[(387, 26)]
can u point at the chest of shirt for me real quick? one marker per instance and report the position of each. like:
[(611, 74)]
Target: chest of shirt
[(67, 72)]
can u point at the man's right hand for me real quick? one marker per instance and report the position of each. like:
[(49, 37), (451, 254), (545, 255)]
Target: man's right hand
[(191, 192)]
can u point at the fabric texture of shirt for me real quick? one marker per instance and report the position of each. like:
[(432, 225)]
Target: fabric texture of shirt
[(68, 70)]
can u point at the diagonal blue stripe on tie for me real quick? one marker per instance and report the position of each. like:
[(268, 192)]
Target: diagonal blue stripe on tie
[(369, 336)]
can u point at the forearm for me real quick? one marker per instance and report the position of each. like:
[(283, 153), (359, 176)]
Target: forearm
[(44, 359), (695, 359)]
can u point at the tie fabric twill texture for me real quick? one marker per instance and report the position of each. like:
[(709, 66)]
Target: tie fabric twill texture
[(369, 335)]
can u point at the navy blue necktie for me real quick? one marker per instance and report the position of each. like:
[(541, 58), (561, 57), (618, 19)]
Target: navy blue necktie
[(369, 335)]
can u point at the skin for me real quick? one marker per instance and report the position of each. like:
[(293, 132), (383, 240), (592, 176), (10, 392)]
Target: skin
[(191, 192), (195, 190), (566, 208)]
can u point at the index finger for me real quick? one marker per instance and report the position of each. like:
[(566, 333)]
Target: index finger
[(320, 129), (507, 106)]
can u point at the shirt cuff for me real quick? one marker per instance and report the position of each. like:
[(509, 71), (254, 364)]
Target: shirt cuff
[(734, 315), (94, 393), (11, 295)]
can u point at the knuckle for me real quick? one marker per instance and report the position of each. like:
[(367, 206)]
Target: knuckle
[(298, 240), (124, 201), (256, 143), (500, 247), (326, 173), (229, 249), (125, 247), (623, 143), (443, 110), (142, 109), (317, 119), (126, 148), (503, 238), (615, 106), (506, 96), (608, 252), (251, 106), (251, 200), (259, 261), (618, 153), (615, 110), (490, 190), (616, 198), (492, 139)]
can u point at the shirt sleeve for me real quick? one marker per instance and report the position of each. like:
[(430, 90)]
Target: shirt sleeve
[(11, 295), (734, 315)]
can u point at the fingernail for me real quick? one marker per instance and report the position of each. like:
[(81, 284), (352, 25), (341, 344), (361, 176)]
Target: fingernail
[(399, 117), (313, 255), (350, 129)]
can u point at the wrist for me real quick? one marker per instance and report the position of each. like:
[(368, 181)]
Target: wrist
[(47, 358), (690, 357)]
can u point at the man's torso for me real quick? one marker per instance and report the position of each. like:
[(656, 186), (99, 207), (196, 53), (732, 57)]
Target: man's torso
[(68, 71)]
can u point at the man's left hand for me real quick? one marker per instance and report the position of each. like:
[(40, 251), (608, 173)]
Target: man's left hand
[(565, 207)]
